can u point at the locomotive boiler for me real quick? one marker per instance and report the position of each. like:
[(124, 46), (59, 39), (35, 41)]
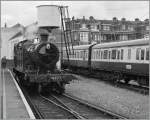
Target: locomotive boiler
[(35, 66)]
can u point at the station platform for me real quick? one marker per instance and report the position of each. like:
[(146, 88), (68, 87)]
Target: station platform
[(13, 103)]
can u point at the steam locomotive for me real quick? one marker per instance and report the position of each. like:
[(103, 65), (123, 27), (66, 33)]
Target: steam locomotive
[(115, 61), (35, 66)]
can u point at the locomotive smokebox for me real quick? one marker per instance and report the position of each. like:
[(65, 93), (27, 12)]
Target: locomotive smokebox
[(48, 16)]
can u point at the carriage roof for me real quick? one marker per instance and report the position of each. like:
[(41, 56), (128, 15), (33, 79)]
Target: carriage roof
[(137, 42), (80, 47)]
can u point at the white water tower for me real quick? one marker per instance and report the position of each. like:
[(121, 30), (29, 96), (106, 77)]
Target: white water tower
[(48, 16)]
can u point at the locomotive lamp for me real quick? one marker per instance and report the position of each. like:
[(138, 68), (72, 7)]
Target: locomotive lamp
[(48, 46)]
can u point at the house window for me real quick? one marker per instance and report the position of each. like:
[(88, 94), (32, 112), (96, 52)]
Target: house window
[(84, 36), (106, 27), (147, 28), (123, 37), (130, 28), (123, 27)]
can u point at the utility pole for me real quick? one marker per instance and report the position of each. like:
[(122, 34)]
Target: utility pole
[(0, 53)]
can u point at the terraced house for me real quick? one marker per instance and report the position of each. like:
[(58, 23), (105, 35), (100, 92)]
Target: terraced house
[(85, 31)]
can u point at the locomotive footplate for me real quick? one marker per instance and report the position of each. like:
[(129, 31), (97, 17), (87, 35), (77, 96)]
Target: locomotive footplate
[(47, 78)]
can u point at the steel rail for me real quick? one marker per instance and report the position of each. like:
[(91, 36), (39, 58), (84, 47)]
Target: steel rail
[(37, 113), (74, 112), (62, 107), (114, 115)]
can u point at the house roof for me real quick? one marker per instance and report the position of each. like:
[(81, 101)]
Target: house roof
[(17, 25), (8, 32), (16, 35)]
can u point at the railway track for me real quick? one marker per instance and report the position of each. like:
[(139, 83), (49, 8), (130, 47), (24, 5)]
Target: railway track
[(66, 107), (83, 109), (139, 89), (51, 110), (47, 109)]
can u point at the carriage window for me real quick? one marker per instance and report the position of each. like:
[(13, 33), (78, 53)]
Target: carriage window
[(147, 53), (109, 54), (113, 56), (97, 54), (142, 54), (118, 54), (137, 53), (105, 54), (94, 54), (75, 54), (102, 54), (71, 56), (85, 54), (121, 54), (80, 54), (129, 54)]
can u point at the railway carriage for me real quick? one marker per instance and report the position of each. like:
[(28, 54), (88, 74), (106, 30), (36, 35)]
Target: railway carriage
[(79, 57), (128, 60), (115, 61)]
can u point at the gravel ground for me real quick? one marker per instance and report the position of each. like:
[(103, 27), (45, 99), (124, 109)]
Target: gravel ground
[(121, 101)]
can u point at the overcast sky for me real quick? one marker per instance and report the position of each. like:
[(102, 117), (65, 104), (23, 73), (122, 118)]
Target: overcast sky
[(24, 12)]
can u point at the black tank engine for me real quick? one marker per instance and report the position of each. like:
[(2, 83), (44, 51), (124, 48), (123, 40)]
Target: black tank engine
[(35, 66)]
